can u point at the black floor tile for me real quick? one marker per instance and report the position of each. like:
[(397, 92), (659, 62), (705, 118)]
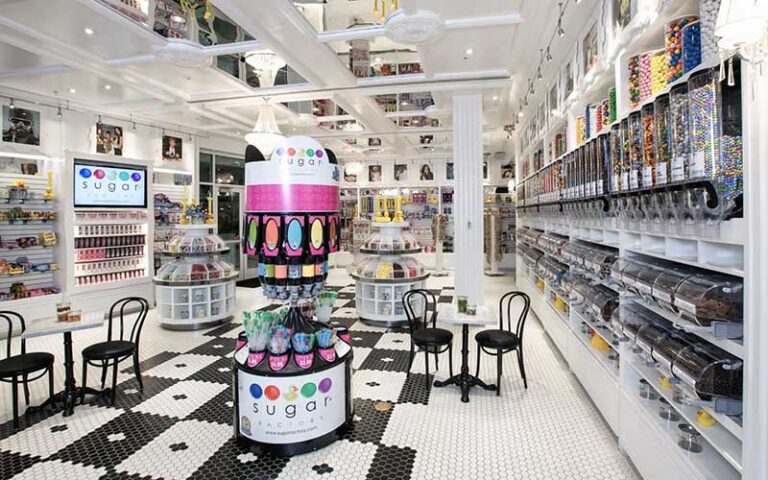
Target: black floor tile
[(364, 339), (386, 360), (392, 463), (415, 389), (116, 440), (220, 346), (233, 461), (369, 424)]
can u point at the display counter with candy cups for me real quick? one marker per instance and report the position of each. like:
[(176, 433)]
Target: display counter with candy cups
[(195, 289), (292, 388), (383, 279)]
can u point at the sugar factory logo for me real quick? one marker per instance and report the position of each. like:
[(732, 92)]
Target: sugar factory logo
[(301, 156), (111, 180), (308, 390), (292, 401)]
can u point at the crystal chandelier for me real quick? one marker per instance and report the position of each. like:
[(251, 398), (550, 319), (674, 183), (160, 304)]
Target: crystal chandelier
[(742, 26), (266, 64), (380, 8), (265, 134)]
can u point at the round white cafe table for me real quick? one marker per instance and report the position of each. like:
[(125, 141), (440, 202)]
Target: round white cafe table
[(449, 313)]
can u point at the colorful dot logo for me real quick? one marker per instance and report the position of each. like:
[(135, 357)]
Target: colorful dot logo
[(98, 173), (112, 176), (136, 176), (308, 390), (124, 176), (85, 173)]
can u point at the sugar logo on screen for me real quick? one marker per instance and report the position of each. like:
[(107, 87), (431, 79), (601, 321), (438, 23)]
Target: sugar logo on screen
[(100, 185)]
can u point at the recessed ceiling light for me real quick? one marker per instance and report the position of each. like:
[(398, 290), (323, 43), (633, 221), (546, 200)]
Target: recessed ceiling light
[(469, 51), (520, 114), (495, 97), (377, 59), (315, 109), (72, 91), (107, 87), (238, 133), (88, 31), (404, 102)]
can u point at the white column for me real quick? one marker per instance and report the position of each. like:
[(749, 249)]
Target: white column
[(468, 195), (754, 99)]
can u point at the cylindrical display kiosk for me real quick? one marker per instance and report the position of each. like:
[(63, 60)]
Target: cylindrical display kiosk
[(382, 280), (196, 289), (292, 375), (293, 403)]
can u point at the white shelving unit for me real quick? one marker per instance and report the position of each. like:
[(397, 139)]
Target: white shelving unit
[(378, 301), (194, 303), (650, 441), (108, 250)]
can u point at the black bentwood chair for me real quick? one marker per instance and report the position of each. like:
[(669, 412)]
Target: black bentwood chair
[(423, 336), (499, 342), (115, 351), (15, 368)]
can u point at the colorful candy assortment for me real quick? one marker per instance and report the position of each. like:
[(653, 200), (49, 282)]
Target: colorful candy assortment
[(673, 44), (680, 133), (625, 155), (633, 65), (581, 130), (691, 46), (658, 72), (616, 162), (635, 150), (649, 147), (604, 114), (644, 78), (662, 135), (612, 104)]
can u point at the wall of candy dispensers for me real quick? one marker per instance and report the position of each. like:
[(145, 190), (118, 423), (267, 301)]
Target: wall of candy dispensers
[(292, 356), (632, 243)]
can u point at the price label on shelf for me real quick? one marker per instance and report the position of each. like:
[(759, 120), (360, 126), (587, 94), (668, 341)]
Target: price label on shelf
[(678, 169)]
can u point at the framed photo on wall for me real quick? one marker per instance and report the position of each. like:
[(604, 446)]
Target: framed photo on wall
[(449, 171), (425, 173), (485, 170), (171, 148), (109, 139), (349, 176), (374, 173), (401, 172), (21, 125), (507, 172)]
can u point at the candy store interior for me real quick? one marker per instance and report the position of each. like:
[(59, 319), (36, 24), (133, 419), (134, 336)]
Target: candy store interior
[(383, 239)]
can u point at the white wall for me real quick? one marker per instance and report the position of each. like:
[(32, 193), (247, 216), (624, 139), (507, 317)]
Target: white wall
[(76, 131)]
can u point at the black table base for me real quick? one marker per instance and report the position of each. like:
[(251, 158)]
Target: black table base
[(71, 392), (464, 380)]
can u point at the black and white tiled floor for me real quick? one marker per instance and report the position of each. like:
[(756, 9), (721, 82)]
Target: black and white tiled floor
[(179, 427)]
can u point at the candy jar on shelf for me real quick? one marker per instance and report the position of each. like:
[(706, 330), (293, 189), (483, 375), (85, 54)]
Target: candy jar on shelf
[(673, 44), (644, 78), (658, 71), (662, 138), (691, 46), (633, 66), (716, 142)]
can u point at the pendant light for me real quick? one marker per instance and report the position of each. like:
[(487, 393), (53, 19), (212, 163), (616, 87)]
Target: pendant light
[(265, 134), (265, 64)]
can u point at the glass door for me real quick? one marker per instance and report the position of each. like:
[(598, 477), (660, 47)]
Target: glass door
[(229, 215)]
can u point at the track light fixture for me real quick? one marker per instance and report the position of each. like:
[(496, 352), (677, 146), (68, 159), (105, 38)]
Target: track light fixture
[(548, 55), (58, 112), (11, 105)]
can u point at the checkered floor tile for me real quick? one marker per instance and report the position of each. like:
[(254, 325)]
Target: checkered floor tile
[(180, 425)]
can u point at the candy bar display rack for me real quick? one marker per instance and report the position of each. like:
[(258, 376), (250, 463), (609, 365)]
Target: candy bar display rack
[(109, 252), (383, 279), (29, 223), (195, 289)]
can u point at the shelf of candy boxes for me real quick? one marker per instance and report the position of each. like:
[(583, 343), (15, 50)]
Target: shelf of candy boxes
[(19, 215), (23, 266), (109, 271), (285, 335), (110, 230), (100, 216), (19, 291), (43, 240)]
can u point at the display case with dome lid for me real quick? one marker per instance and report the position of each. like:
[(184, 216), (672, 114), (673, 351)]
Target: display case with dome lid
[(383, 278), (196, 289)]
